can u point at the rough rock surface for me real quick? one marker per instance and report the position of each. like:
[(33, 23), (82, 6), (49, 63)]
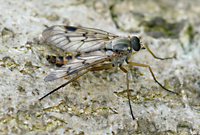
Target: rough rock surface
[(96, 103)]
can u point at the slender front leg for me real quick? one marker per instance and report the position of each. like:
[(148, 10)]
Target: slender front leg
[(158, 57), (128, 92), (143, 65)]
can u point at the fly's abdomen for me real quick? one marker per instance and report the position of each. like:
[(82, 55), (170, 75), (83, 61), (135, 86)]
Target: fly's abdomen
[(60, 60)]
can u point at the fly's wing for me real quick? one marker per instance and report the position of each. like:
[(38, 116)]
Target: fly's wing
[(83, 61), (76, 39)]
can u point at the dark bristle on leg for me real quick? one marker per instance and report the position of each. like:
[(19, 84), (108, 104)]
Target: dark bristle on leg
[(46, 26)]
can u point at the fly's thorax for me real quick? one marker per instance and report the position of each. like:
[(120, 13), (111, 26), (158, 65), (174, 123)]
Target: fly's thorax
[(122, 47), (119, 44)]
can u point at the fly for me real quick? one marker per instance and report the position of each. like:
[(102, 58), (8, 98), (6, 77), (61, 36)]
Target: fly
[(96, 47)]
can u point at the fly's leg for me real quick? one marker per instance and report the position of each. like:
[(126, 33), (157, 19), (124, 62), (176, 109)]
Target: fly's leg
[(158, 57), (128, 92), (143, 65), (63, 85)]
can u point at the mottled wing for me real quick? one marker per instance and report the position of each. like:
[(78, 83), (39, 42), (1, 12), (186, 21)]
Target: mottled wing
[(83, 61), (76, 39)]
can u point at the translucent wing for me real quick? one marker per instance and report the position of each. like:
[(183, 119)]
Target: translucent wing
[(76, 39), (83, 61)]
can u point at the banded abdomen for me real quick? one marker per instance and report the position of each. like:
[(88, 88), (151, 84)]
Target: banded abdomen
[(60, 60)]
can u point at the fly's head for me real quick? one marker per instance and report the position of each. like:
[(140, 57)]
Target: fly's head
[(135, 43)]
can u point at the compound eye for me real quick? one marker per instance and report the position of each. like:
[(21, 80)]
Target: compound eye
[(135, 43)]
